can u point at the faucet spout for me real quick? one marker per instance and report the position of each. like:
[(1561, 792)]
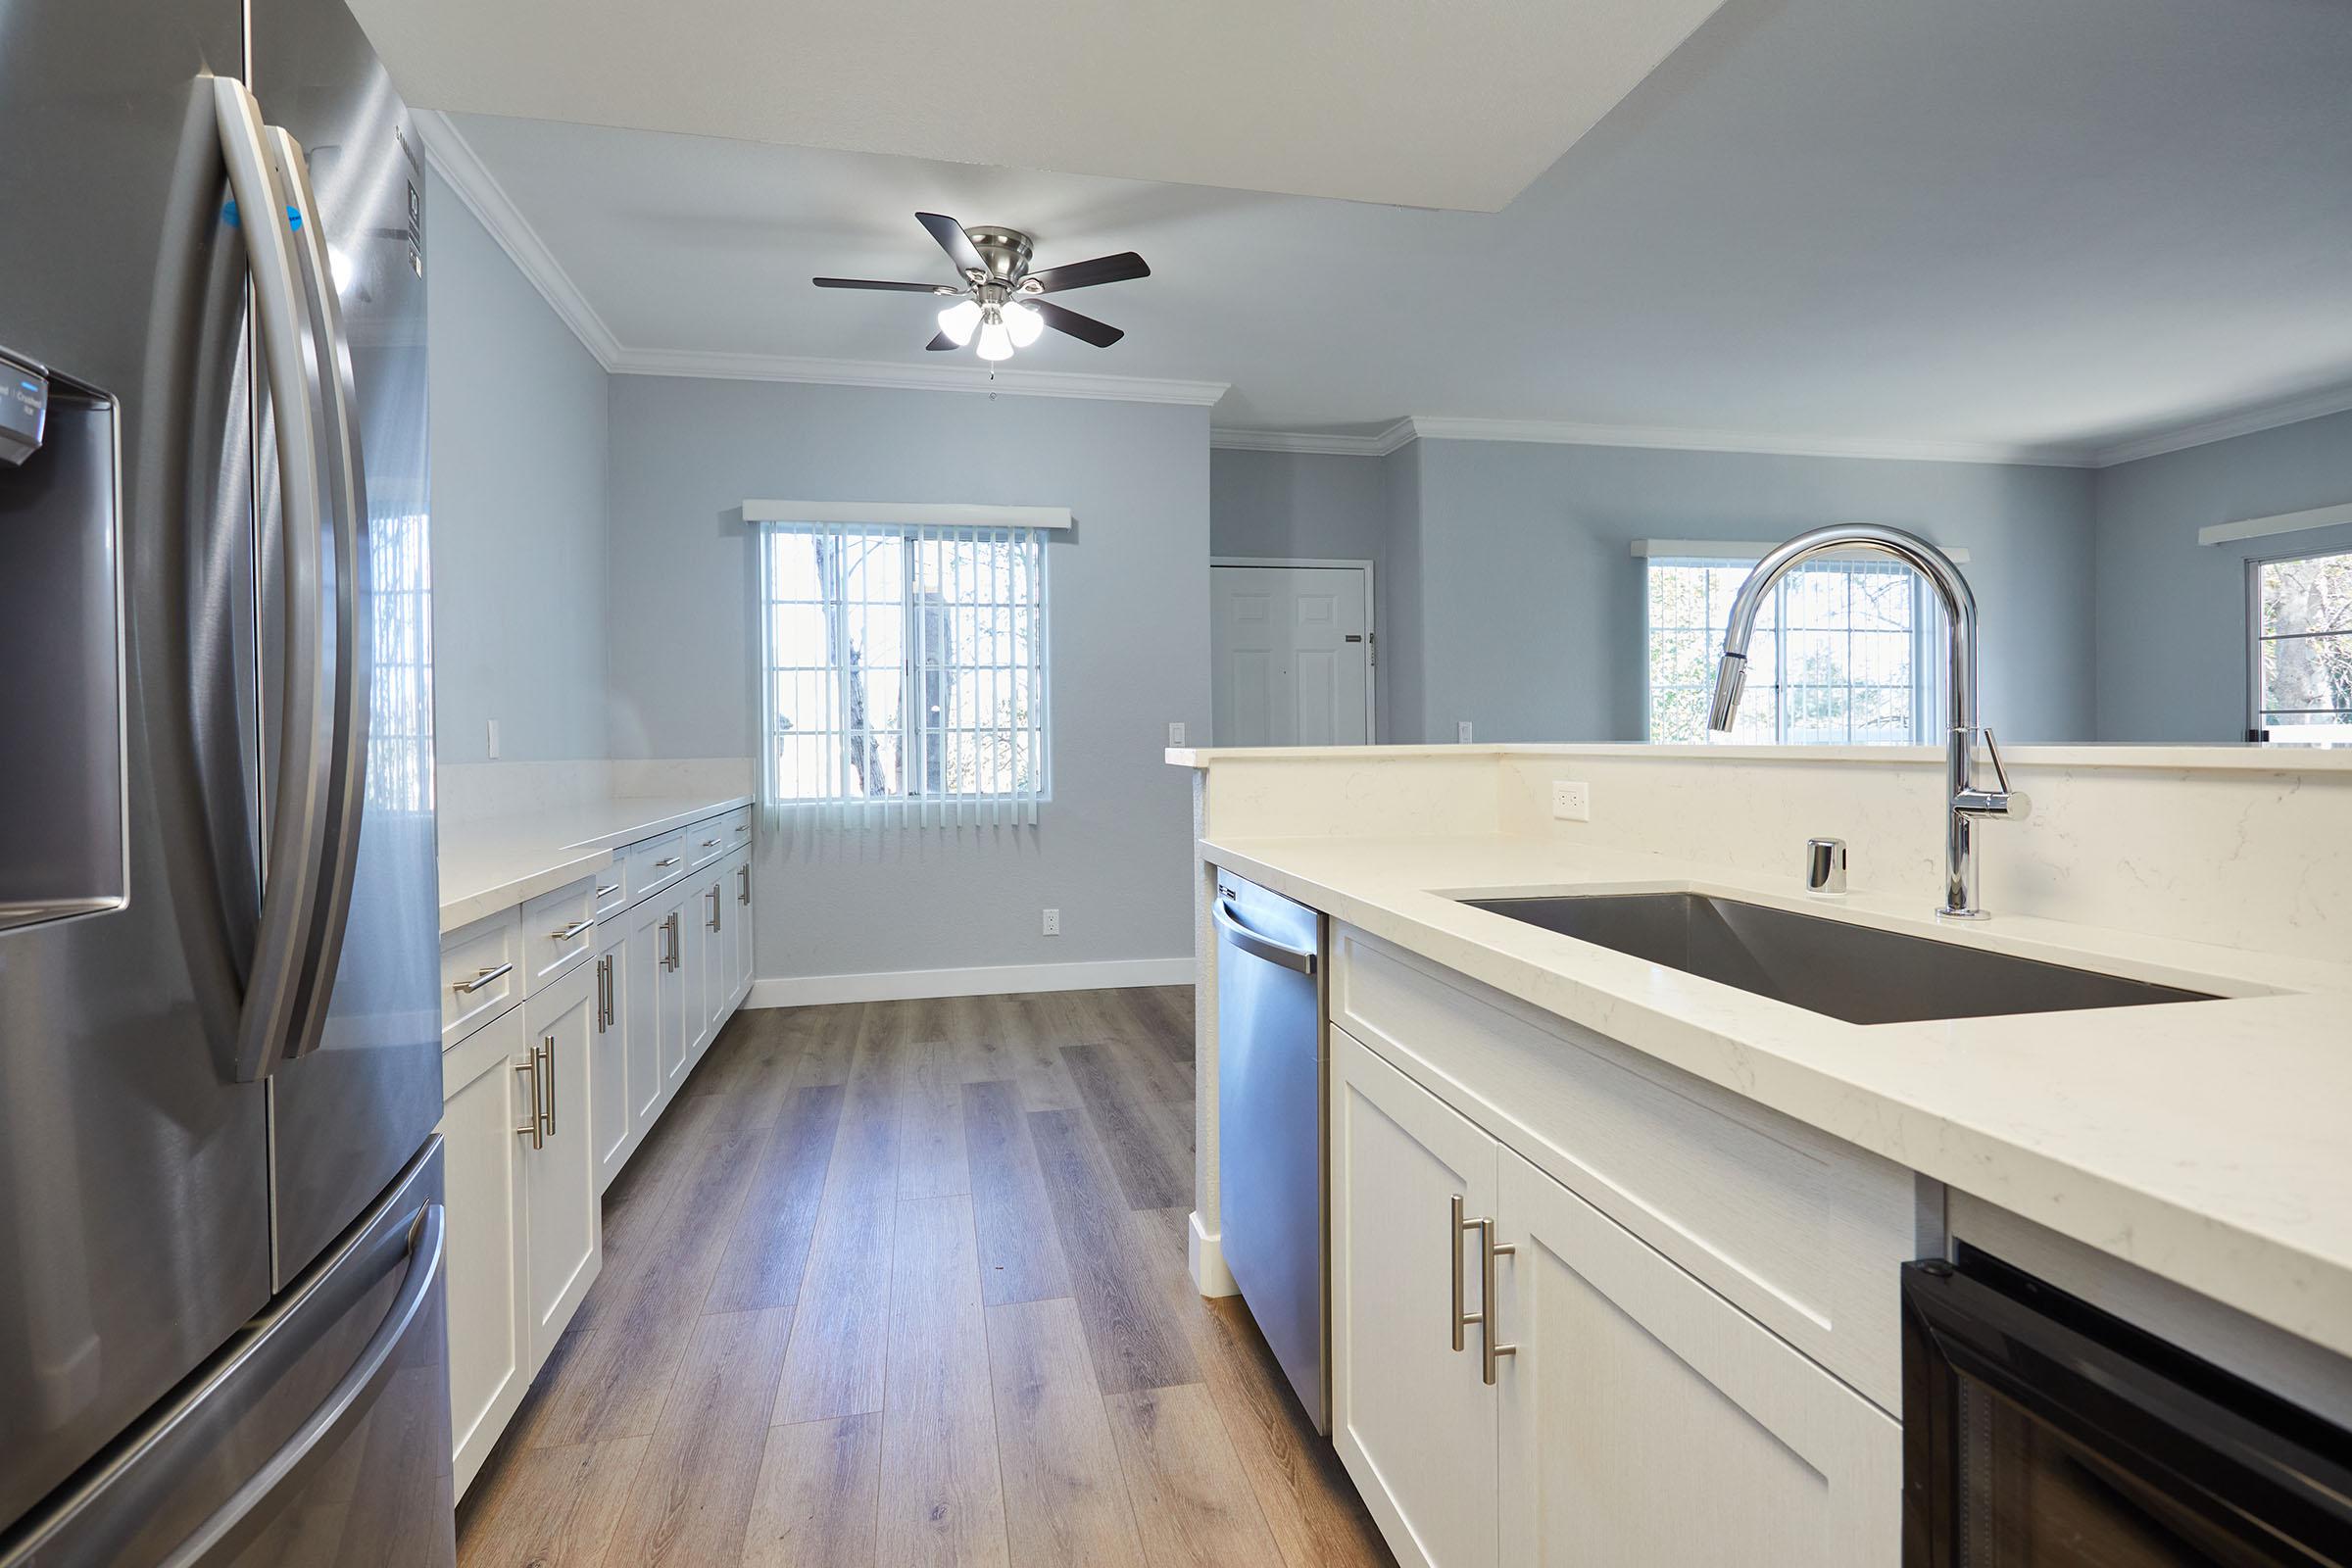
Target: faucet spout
[(1964, 800)]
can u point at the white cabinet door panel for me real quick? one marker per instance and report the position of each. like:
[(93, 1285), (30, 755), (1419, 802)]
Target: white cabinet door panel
[(489, 1335), (1648, 1421), (1411, 1417), (564, 1214), (609, 1086)]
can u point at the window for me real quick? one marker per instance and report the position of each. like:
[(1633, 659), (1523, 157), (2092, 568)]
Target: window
[(2302, 663), (904, 669), (1839, 656)]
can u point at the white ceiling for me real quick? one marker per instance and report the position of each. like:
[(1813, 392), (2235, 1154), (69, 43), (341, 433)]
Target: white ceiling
[(2005, 226), (1456, 105)]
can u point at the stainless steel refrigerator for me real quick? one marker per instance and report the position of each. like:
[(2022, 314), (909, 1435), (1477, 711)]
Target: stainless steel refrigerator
[(221, 1302)]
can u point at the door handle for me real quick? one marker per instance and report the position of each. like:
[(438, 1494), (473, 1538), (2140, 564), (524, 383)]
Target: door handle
[(534, 1126), (1256, 944), (349, 1403), (577, 928), (604, 993), (715, 908), (606, 891), (546, 1053), (1453, 1244), (669, 960), (1488, 1253), (743, 884), (663, 865), (297, 834), (346, 480)]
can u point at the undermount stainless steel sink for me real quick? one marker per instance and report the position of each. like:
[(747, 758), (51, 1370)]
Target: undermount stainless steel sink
[(1854, 972)]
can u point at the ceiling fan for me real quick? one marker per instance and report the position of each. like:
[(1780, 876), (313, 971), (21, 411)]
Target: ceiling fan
[(998, 300)]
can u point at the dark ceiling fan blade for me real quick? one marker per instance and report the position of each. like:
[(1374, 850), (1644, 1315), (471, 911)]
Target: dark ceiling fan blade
[(868, 282), (942, 341), (1086, 274), (953, 240), (1102, 334)]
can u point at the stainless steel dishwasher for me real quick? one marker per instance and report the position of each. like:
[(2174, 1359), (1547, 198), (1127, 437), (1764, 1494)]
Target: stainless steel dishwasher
[(1270, 1141)]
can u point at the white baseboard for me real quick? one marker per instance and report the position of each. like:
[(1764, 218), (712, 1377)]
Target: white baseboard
[(903, 985), (1204, 1256)]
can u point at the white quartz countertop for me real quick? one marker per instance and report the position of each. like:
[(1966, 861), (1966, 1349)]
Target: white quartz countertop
[(494, 862), (2205, 1142)]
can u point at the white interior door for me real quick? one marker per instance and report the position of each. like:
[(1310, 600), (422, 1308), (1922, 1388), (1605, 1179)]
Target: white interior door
[(1290, 654)]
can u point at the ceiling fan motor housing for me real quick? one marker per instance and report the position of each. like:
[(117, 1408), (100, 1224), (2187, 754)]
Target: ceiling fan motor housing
[(1006, 251)]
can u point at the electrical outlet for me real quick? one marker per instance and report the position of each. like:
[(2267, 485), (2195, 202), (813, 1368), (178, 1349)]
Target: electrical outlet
[(494, 740), (1052, 922), (1176, 733), (1461, 730), (1571, 800)]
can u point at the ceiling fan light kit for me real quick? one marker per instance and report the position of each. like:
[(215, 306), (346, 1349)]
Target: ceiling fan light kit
[(997, 309)]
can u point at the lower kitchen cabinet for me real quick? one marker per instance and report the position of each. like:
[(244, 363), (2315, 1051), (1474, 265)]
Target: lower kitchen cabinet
[(692, 913), (1644, 1419), (652, 1019), (739, 878), (564, 1215), (1634, 1417), (1410, 1417), (482, 1092)]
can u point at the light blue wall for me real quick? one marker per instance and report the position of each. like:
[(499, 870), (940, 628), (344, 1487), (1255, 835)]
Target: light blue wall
[(1539, 539), (1306, 505), (2172, 629), (1128, 614), (519, 453)]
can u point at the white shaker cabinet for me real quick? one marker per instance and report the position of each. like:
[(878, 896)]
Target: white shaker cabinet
[(1647, 1420), (563, 1216), (1634, 1417), (1410, 1417), (739, 884), (483, 1094), (653, 1027)]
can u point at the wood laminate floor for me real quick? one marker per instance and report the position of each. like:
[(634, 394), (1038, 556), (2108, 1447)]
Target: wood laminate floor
[(902, 1283)]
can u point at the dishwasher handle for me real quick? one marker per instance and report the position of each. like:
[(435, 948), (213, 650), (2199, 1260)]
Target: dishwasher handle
[(1259, 945)]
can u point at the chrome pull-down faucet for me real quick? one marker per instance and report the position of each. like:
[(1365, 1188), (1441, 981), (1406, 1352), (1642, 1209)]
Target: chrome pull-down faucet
[(1965, 800)]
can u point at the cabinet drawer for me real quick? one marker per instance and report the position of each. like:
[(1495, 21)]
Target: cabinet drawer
[(654, 863), (1798, 1229), (481, 973), (706, 842), (559, 932)]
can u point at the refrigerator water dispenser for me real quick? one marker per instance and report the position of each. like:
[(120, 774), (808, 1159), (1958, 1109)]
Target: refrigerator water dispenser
[(62, 822)]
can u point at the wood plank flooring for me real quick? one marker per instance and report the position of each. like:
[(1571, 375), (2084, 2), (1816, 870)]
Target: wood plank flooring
[(899, 1282)]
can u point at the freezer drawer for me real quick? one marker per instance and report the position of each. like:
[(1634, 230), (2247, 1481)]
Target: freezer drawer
[(320, 1435), (1270, 1144)]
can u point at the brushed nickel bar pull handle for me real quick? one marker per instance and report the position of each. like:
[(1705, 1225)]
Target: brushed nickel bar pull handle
[(715, 908), (670, 925), (603, 999), (1453, 1242), (606, 891), (1488, 1252), (577, 928), (741, 829), (663, 865), (743, 884), (710, 843), (482, 978), (546, 1113), (531, 1127)]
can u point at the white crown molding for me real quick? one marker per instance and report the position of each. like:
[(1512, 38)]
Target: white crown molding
[(1339, 446), (1431, 427), (2245, 421), (724, 366), (453, 158)]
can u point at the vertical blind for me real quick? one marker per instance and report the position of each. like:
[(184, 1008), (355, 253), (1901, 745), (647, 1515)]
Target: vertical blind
[(902, 674)]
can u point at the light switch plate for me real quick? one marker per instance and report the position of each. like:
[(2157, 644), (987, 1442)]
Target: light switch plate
[(1571, 800), (1176, 733), (1462, 731)]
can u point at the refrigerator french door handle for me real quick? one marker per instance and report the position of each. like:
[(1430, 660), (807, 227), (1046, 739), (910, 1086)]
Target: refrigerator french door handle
[(296, 847), (347, 495), (348, 1403)]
